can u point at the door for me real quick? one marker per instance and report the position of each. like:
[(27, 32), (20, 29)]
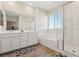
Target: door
[(5, 44), (71, 28)]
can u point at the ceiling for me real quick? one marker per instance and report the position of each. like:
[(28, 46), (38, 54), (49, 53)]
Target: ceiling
[(45, 5)]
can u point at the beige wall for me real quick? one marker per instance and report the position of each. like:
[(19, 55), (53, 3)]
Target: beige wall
[(18, 8), (0, 5), (26, 11), (26, 23), (41, 20)]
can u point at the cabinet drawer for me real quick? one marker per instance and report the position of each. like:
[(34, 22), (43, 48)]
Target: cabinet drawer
[(9, 35), (23, 34), (25, 42), (23, 39)]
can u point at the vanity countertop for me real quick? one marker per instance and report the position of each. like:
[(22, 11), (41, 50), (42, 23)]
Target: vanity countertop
[(8, 32)]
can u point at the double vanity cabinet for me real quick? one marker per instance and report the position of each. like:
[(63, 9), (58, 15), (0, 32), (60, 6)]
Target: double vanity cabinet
[(13, 41)]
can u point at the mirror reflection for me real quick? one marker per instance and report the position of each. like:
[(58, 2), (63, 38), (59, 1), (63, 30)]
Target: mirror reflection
[(12, 20), (1, 18)]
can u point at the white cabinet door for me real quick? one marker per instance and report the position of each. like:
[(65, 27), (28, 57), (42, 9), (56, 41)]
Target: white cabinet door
[(23, 40), (32, 38), (5, 44), (71, 16), (15, 42), (23, 43)]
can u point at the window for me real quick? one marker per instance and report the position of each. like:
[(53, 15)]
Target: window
[(51, 22), (55, 21), (59, 21)]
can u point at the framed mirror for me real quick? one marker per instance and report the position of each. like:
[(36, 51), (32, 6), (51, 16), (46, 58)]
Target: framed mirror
[(1, 18), (12, 20)]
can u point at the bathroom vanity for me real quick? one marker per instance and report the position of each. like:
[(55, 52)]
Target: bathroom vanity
[(15, 40), (16, 31)]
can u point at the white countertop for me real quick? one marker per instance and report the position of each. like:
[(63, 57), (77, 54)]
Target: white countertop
[(13, 31)]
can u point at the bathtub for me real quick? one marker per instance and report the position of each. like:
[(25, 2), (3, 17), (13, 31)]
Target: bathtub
[(48, 40)]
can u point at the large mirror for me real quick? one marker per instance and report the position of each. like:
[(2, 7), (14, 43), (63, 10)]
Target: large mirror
[(12, 20), (1, 18)]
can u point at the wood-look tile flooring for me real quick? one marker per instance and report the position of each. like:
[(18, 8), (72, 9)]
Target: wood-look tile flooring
[(38, 51)]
